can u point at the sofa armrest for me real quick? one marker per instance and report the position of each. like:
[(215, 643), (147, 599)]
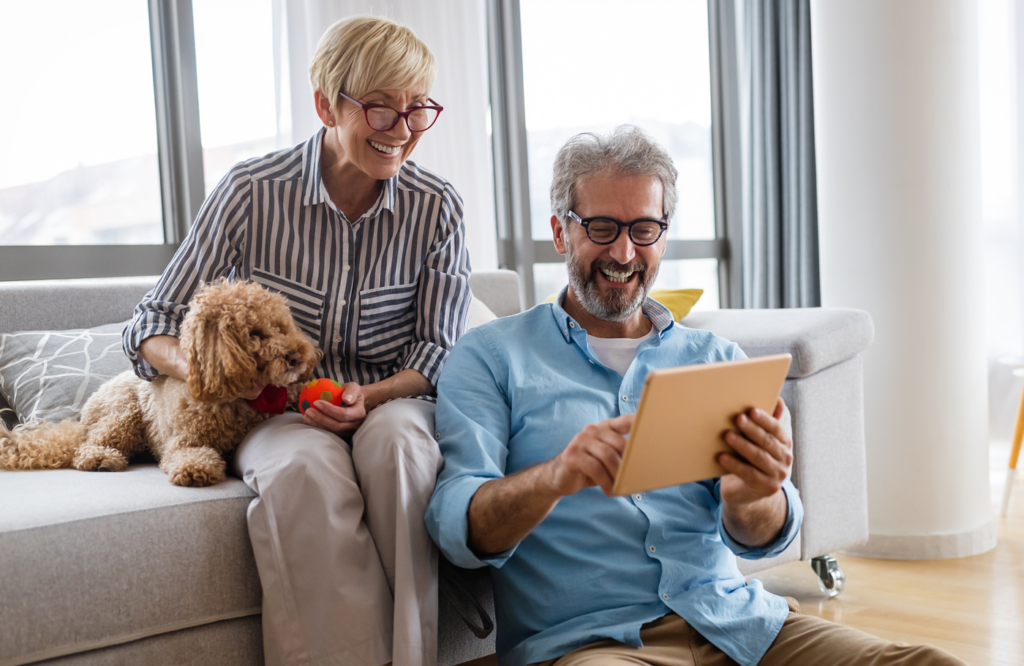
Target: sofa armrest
[(825, 394), (816, 337)]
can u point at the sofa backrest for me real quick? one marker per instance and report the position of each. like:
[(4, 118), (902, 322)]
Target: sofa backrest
[(65, 304)]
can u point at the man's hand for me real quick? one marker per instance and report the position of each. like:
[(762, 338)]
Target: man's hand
[(504, 511), (592, 458), (339, 420), (754, 504)]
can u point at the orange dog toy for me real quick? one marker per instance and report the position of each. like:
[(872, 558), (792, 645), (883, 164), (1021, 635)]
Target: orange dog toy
[(319, 389)]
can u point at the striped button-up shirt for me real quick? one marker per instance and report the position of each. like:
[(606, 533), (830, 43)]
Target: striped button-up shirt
[(381, 294)]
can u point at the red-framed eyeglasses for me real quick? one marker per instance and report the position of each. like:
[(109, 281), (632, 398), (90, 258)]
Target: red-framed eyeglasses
[(381, 117)]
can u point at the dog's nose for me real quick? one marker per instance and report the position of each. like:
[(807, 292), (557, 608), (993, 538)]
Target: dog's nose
[(293, 359)]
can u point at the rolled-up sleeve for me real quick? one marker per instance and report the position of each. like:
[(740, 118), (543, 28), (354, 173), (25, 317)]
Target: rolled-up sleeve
[(210, 251), (473, 424), (794, 518), (443, 295)]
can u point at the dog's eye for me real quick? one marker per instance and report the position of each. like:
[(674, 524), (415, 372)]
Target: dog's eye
[(256, 333)]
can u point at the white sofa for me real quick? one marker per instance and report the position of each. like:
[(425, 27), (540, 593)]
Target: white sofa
[(128, 569)]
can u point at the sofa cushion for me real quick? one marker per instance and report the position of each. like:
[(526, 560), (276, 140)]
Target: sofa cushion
[(50, 374), (817, 338), (91, 559)]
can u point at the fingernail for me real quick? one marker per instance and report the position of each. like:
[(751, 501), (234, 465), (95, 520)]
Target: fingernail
[(742, 419), (347, 398), (758, 412)]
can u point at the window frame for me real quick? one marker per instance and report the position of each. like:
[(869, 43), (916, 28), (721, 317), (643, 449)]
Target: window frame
[(180, 158), (517, 250)]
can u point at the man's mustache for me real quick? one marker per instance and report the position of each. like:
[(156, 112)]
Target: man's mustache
[(632, 267)]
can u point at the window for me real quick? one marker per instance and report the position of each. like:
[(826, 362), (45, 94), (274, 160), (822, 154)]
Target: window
[(562, 67), (103, 165), (78, 137), (237, 99)]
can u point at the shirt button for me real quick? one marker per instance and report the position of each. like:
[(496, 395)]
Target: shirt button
[(341, 302), (437, 436), (347, 267), (653, 549), (665, 597), (625, 398), (337, 338), (572, 324), (638, 497), (591, 362)]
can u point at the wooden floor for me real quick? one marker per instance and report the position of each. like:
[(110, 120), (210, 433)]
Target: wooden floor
[(973, 606)]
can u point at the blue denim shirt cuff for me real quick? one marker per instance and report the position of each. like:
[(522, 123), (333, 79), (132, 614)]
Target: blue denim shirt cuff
[(448, 524), (794, 518)]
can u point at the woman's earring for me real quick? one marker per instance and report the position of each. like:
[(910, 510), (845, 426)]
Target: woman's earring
[(330, 123)]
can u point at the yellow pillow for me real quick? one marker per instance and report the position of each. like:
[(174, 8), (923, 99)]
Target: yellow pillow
[(678, 301)]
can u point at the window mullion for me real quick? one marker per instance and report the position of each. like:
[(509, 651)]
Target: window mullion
[(177, 115), (726, 148), (508, 122)]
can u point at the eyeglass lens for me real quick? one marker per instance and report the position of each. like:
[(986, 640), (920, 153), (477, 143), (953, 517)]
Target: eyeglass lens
[(382, 118), (605, 231)]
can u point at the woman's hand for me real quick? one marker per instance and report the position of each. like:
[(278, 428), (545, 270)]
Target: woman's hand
[(339, 420)]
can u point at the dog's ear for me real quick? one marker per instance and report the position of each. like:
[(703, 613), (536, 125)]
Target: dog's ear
[(220, 368)]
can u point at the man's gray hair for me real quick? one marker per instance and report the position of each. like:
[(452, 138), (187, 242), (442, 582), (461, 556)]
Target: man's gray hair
[(628, 150)]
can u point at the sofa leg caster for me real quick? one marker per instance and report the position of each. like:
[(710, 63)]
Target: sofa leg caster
[(831, 578)]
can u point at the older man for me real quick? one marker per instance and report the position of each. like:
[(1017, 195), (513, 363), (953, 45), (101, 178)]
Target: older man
[(532, 415)]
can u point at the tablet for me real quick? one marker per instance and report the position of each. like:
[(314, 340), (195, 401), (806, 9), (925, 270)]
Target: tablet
[(683, 414)]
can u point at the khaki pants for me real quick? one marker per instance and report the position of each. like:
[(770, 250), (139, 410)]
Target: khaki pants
[(804, 640), (348, 571)]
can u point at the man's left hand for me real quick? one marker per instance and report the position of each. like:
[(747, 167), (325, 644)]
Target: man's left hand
[(762, 460)]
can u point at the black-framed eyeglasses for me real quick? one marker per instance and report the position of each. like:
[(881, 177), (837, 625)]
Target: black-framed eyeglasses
[(381, 117), (605, 231)]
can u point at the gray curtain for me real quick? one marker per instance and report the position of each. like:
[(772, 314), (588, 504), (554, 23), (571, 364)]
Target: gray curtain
[(780, 217)]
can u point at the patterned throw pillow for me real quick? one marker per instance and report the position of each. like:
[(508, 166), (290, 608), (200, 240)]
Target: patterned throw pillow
[(50, 374)]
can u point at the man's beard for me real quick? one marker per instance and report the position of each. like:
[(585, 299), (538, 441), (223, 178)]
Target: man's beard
[(617, 305)]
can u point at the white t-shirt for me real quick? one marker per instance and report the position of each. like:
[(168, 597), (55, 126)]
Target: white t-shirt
[(617, 353)]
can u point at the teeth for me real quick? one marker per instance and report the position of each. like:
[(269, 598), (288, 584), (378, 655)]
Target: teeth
[(616, 276), (390, 150)]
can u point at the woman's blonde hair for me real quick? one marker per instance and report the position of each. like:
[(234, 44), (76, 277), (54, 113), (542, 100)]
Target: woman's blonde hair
[(360, 54)]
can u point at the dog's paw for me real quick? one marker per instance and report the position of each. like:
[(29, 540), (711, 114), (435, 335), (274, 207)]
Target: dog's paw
[(195, 476), (197, 467), (100, 459)]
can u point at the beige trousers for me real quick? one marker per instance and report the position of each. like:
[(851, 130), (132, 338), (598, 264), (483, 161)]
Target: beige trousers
[(349, 573), (805, 640)]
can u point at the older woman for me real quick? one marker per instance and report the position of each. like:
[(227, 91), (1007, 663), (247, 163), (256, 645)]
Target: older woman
[(369, 250)]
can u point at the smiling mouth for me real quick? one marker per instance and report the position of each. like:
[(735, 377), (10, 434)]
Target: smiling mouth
[(381, 148), (619, 277)]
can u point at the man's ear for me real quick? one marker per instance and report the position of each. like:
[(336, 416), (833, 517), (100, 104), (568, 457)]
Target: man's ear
[(558, 234)]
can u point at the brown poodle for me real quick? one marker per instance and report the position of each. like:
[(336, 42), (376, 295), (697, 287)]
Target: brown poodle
[(236, 335)]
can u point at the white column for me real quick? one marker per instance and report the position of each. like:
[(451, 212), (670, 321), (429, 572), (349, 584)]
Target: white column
[(899, 205)]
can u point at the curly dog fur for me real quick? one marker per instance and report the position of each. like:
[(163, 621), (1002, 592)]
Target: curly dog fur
[(236, 335)]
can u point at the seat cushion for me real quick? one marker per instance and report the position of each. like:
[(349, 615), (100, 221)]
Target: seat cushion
[(816, 337), (91, 559)]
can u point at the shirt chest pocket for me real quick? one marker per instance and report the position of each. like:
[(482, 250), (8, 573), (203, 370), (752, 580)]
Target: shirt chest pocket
[(305, 302), (387, 318)]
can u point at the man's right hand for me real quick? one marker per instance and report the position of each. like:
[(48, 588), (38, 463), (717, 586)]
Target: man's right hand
[(592, 458), (503, 511)]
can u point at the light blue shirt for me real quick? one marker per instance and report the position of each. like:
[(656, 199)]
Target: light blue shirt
[(514, 393)]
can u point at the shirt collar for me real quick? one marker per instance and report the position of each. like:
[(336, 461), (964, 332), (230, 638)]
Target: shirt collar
[(660, 316), (315, 192)]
